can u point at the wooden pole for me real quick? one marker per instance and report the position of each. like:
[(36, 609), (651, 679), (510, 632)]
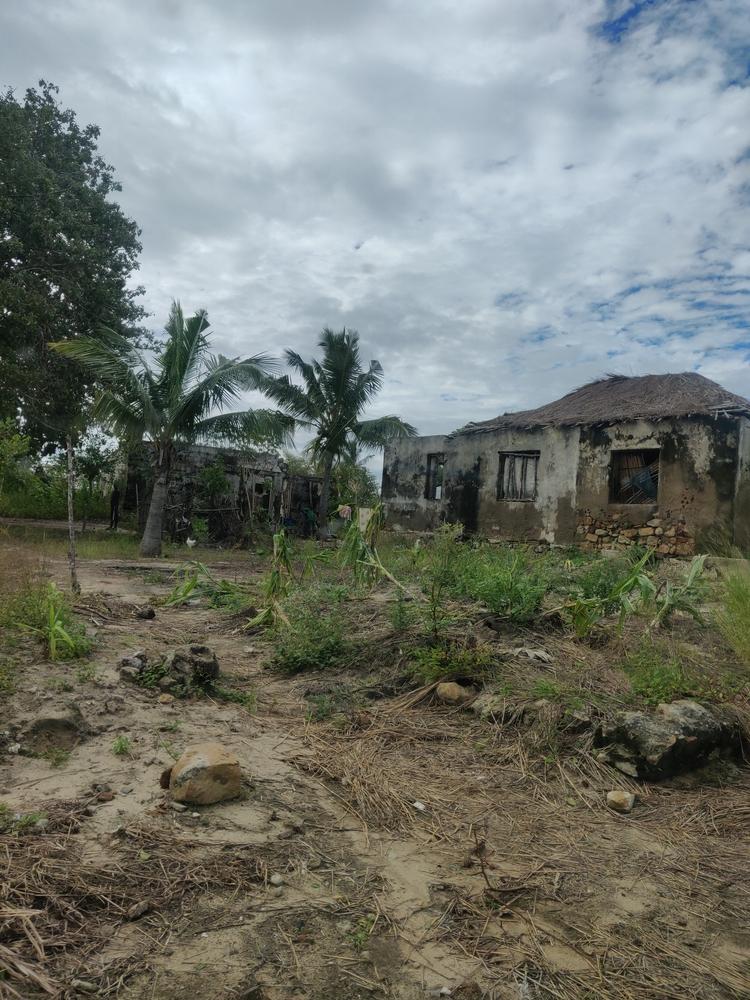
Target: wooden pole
[(74, 584)]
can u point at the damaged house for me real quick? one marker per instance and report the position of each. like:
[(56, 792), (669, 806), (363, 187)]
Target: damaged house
[(657, 460)]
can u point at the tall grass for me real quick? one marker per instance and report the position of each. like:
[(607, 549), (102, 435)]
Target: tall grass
[(733, 618)]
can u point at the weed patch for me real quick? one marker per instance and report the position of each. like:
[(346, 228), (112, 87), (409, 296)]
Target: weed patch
[(312, 636)]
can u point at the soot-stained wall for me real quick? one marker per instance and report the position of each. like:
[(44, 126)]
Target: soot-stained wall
[(703, 491)]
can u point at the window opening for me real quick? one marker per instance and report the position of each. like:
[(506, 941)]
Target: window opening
[(434, 479), (634, 476), (518, 475)]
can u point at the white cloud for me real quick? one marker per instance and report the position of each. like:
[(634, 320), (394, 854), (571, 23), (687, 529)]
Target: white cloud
[(503, 197)]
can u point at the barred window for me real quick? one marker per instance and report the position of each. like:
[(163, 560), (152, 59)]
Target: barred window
[(634, 476), (518, 474), (433, 489)]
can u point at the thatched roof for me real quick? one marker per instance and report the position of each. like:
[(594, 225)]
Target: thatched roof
[(618, 397)]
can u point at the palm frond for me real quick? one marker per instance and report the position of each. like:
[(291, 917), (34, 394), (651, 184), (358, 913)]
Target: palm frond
[(269, 427), (378, 432)]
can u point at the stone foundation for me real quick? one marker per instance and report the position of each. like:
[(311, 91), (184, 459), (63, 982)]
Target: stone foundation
[(667, 535)]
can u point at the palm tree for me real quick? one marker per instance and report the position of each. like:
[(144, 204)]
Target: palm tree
[(330, 402), (173, 399)]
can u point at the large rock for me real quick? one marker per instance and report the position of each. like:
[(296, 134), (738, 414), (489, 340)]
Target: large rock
[(204, 774), (676, 737), (192, 666)]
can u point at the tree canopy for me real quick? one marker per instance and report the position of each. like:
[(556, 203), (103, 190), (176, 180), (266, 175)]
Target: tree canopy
[(67, 252)]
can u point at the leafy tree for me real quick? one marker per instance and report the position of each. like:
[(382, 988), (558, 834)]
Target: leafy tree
[(353, 485), (172, 400), (95, 459), (14, 446), (331, 400), (66, 254)]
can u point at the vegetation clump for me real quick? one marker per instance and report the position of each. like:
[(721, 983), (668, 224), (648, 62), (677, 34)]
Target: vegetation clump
[(312, 636)]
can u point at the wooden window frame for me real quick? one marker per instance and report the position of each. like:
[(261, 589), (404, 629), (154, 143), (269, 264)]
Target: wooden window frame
[(521, 493)]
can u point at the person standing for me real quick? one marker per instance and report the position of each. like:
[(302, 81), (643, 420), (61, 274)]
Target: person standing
[(114, 508)]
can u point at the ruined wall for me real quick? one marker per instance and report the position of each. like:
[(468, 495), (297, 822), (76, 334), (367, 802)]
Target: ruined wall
[(404, 479), (472, 484), (697, 483)]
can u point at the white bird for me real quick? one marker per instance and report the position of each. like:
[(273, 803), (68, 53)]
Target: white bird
[(191, 542)]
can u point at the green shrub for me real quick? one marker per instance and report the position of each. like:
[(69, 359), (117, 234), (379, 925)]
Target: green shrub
[(509, 582), (734, 616), (428, 664), (40, 608), (656, 673), (312, 636)]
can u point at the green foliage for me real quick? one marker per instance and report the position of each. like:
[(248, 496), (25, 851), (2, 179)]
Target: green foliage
[(655, 673), (247, 699), (277, 585), (56, 756), (733, 617), (11, 822), (41, 609), (623, 595), (122, 746), (353, 485), (359, 936), (508, 582), (7, 676), (403, 614), (14, 446), (172, 398), (428, 664), (683, 597), (43, 495), (197, 582), (212, 482), (311, 636), (330, 402), (66, 258)]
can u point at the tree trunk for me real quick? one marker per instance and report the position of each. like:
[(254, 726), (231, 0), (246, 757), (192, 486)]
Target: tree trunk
[(325, 496), (74, 584), (151, 541)]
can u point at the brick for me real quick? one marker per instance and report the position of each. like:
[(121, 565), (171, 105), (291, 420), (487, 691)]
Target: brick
[(643, 532), (591, 538)]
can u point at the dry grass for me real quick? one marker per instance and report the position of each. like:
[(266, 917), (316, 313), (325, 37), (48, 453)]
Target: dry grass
[(60, 907)]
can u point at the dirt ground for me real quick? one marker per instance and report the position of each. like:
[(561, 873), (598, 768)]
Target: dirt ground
[(420, 850)]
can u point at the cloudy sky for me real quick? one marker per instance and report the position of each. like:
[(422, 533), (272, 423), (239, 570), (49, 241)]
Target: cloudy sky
[(505, 197)]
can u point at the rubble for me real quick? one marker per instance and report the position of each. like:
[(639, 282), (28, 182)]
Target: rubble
[(450, 693)]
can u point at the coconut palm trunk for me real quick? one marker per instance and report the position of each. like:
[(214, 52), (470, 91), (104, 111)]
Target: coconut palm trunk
[(325, 496), (74, 584), (151, 541)]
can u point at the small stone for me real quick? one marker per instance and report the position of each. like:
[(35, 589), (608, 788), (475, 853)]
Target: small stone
[(179, 807), (278, 891), (276, 879), (196, 815), (14, 748), (146, 612), (644, 532), (165, 698), (164, 684), (105, 796), (138, 909), (450, 693), (89, 811), (619, 801), (206, 773), (84, 986)]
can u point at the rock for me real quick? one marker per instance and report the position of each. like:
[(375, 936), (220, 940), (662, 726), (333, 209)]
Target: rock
[(146, 612), (89, 811), (204, 774), (165, 699), (138, 909), (105, 796), (165, 684), (14, 748), (178, 807), (450, 693), (494, 707), (276, 879), (193, 666), (677, 737), (131, 668), (114, 705), (84, 986), (619, 801)]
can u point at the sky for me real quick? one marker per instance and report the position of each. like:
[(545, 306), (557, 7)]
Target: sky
[(506, 198)]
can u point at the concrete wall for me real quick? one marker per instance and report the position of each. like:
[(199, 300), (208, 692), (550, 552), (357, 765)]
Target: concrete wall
[(472, 476), (404, 481), (704, 485), (697, 484)]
